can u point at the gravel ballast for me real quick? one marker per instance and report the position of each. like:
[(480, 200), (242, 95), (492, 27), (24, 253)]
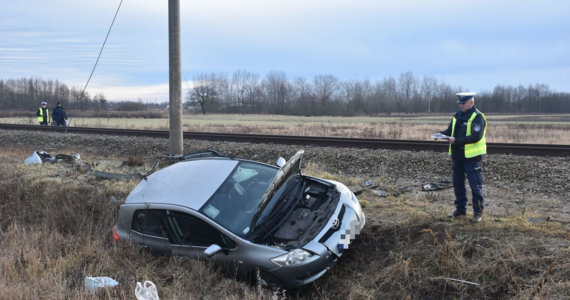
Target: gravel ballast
[(547, 175)]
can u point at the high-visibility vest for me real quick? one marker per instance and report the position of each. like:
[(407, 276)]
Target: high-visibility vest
[(41, 116), (476, 149)]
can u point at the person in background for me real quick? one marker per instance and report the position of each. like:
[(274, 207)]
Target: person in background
[(467, 146), (43, 114), (59, 115)]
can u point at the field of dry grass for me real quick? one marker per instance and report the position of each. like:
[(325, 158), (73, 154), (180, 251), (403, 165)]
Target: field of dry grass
[(534, 129), (56, 229)]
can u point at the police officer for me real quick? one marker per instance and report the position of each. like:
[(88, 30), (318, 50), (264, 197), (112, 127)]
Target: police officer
[(43, 114), (466, 147), (58, 115)]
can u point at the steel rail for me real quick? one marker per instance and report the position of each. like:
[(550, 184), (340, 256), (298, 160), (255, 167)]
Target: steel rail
[(415, 145)]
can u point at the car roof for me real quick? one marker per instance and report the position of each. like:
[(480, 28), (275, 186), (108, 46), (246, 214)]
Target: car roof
[(188, 183)]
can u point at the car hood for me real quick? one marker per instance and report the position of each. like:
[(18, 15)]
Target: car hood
[(293, 166)]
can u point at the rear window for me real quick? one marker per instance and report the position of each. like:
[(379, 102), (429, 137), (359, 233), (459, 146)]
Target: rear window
[(149, 221)]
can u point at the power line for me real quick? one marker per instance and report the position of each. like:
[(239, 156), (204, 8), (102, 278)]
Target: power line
[(100, 52)]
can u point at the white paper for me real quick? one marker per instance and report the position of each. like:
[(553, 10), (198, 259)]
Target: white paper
[(439, 136)]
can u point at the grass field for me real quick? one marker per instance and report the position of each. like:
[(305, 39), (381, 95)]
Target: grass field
[(536, 129), (56, 229)]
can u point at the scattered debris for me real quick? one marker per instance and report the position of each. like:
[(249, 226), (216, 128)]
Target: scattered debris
[(432, 186), (113, 200), (121, 176), (67, 158), (93, 283), (536, 220), (33, 159), (462, 281), (45, 156), (380, 193), (367, 183), (404, 189), (146, 291), (40, 156)]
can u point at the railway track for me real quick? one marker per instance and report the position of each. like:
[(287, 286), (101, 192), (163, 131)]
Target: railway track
[(492, 148)]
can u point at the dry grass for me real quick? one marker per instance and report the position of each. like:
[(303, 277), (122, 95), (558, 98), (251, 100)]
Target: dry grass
[(540, 129), (56, 225)]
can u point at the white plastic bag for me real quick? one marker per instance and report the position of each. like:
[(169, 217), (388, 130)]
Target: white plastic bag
[(93, 283), (33, 159), (146, 291)]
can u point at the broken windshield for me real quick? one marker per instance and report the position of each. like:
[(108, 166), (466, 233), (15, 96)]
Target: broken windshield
[(236, 201)]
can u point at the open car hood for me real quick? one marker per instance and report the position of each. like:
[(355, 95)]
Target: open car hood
[(293, 166)]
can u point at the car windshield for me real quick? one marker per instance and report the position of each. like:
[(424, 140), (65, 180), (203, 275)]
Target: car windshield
[(236, 201)]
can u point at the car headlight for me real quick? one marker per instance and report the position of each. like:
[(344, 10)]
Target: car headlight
[(294, 257)]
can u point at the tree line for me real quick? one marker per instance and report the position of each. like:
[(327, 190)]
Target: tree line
[(247, 93), (244, 92), (28, 93)]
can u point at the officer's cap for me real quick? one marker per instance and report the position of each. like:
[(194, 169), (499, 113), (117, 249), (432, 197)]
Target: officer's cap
[(43, 103), (462, 97)]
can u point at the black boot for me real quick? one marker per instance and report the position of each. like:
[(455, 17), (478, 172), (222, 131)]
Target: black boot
[(456, 214)]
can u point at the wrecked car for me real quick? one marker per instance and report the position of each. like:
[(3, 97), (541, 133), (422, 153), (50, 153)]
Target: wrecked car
[(251, 219)]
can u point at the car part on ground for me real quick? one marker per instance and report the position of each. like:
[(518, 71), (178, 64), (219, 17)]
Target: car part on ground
[(101, 174)]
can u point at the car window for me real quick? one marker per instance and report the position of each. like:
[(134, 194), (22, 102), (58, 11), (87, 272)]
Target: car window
[(179, 228), (149, 221), (235, 202), (184, 229)]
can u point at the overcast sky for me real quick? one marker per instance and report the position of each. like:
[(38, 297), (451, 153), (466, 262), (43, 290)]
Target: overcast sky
[(476, 44)]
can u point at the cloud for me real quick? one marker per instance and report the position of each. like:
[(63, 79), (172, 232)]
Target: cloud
[(61, 39)]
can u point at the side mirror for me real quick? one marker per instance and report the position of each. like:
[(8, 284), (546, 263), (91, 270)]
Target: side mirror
[(212, 250), (281, 162)]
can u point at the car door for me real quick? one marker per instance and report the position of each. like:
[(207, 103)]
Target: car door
[(190, 236), (149, 231)]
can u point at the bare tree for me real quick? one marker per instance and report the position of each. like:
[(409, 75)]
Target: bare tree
[(277, 89), (204, 92), (324, 86), (428, 89), (407, 84)]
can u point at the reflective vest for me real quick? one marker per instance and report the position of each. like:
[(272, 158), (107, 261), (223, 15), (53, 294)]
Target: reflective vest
[(476, 149), (41, 116)]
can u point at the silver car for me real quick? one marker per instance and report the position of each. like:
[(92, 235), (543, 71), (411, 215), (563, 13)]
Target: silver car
[(251, 219)]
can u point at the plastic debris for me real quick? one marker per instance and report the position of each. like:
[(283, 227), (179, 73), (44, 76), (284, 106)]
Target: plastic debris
[(432, 186), (93, 283), (41, 156), (68, 158), (33, 159), (380, 193), (368, 183), (536, 220), (45, 156), (146, 291)]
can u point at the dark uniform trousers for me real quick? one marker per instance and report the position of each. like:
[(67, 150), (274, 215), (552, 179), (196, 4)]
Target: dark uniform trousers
[(471, 168)]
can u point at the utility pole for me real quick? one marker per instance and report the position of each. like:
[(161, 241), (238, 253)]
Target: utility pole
[(175, 78)]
